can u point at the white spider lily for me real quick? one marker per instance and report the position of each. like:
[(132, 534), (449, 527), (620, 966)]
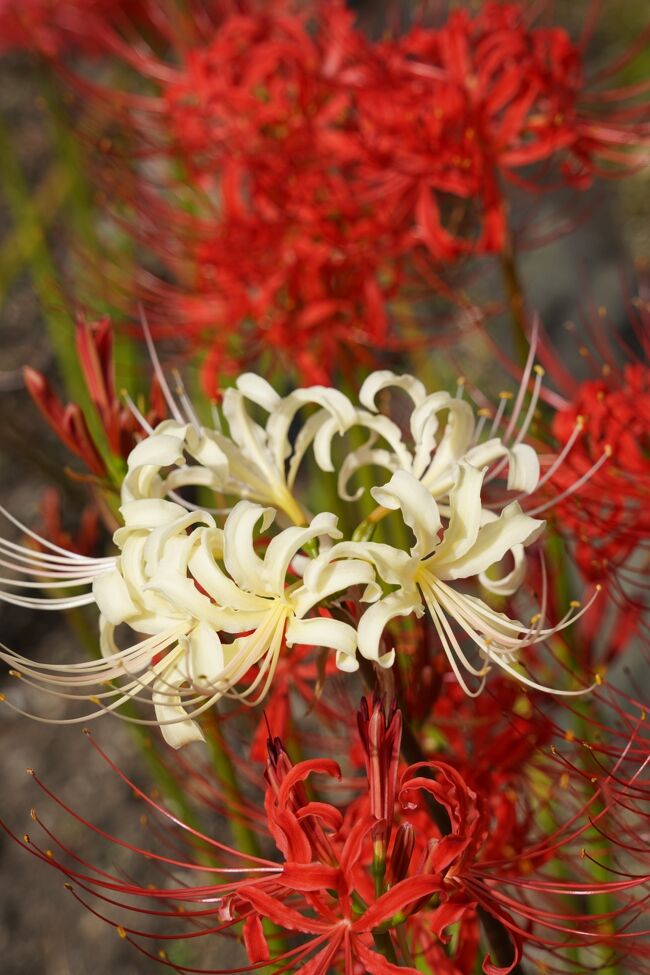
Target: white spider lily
[(438, 444), (186, 584), (465, 546), (251, 461)]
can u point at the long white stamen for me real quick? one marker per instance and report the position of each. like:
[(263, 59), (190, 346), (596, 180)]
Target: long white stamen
[(523, 385), (573, 487), (133, 409), (158, 370)]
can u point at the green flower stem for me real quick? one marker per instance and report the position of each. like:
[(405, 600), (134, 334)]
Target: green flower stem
[(515, 300), (384, 944), (243, 836), (43, 271)]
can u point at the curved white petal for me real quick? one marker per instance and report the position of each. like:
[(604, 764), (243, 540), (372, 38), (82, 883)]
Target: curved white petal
[(383, 379), (240, 558), (513, 527), (465, 512), (320, 632), (113, 598), (420, 512), (374, 621), (284, 546)]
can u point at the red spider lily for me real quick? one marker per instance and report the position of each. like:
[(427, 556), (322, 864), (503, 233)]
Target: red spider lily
[(567, 894), (481, 100), (52, 27), (609, 517), (315, 164), (601, 425), (85, 541), (94, 343)]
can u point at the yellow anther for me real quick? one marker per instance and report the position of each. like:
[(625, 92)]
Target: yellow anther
[(535, 619), (68, 887), (144, 819), (607, 450), (15, 673), (32, 813), (575, 604), (2, 698), (580, 421), (49, 854), (461, 380), (30, 771), (564, 780), (26, 838), (484, 411), (539, 370), (602, 311), (583, 853), (569, 735), (95, 700), (121, 931), (584, 351), (599, 679), (505, 394)]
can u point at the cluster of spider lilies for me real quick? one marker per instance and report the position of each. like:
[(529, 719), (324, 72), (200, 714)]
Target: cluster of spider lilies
[(379, 629)]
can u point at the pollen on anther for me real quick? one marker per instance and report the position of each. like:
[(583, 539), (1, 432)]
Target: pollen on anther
[(32, 813), (26, 838), (564, 780), (95, 700), (68, 886), (15, 673), (30, 771), (607, 450), (539, 370), (569, 735), (505, 394), (121, 931), (575, 604), (162, 954)]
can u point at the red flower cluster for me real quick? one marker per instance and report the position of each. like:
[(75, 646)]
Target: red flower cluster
[(374, 882), (327, 172), (118, 424), (53, 27), (609, 517)]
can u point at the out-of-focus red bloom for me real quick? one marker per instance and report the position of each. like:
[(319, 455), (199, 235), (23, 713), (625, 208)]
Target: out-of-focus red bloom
[(94, 342), (52, 27), (84, 541), (570, 893), (299, 262), (485, 98), (323, 173), (610, 516)]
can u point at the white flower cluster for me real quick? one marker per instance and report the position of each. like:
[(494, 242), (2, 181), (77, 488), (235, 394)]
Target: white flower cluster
[(209, 603)]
